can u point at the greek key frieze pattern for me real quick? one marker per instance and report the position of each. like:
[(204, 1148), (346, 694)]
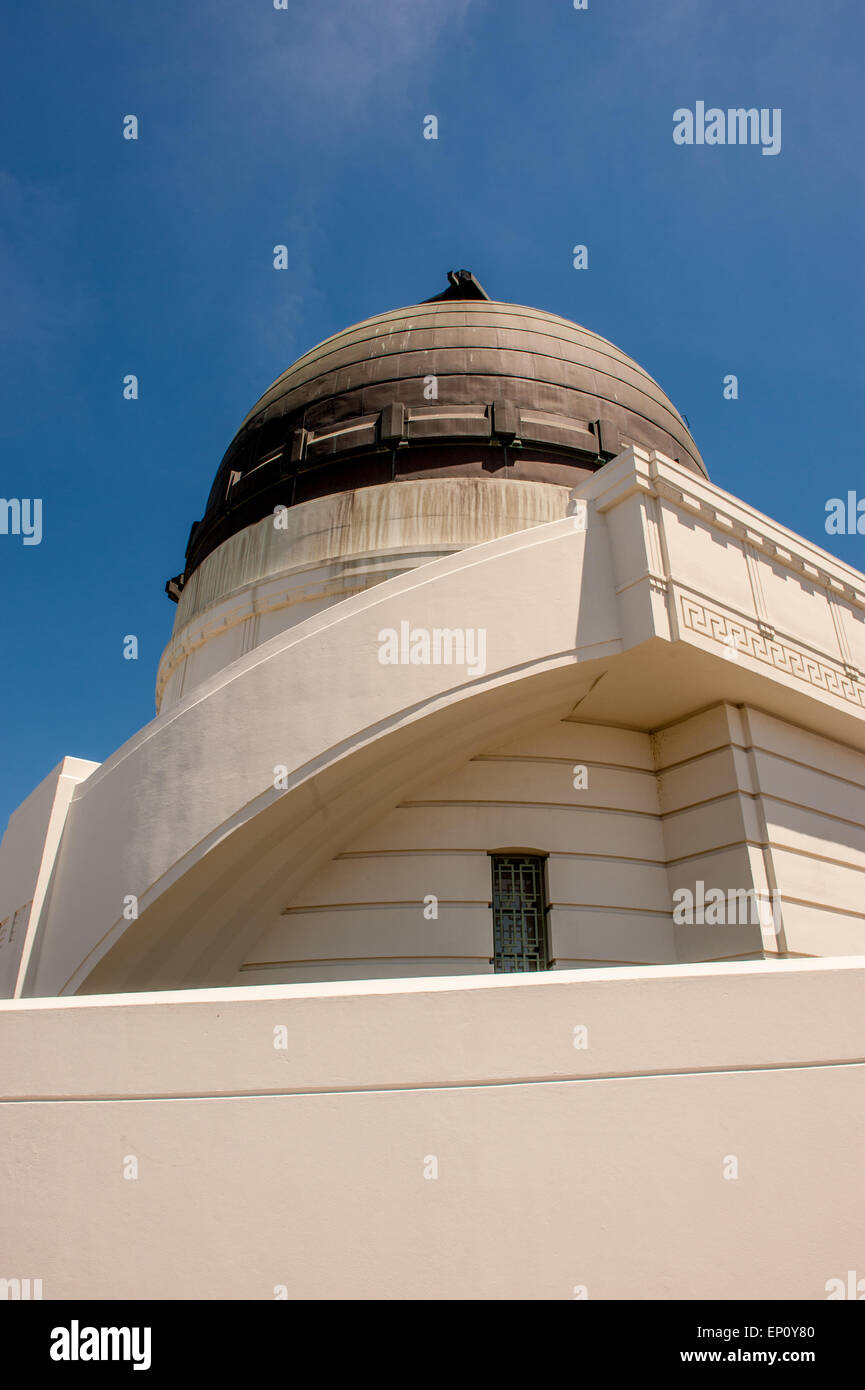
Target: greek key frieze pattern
[(730, 632)]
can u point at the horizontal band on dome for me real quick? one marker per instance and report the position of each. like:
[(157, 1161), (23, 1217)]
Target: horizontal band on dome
[(451, 387)]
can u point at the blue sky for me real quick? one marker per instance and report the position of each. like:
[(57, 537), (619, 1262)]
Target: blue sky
[(304, 127)]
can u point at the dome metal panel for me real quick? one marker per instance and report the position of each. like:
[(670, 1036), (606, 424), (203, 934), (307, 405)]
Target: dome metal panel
[(571, 399)]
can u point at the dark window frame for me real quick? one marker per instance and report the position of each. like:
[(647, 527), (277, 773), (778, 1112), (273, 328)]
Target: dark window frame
[(520, 907)]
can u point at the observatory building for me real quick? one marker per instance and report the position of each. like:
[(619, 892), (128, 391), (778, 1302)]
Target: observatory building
[(489, 884)]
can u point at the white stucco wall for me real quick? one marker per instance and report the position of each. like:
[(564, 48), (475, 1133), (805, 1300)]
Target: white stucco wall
[(606, 875), (304, 1166), (730, 797), (748, 799)]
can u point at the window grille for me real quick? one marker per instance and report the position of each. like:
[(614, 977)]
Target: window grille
[(519, 913)]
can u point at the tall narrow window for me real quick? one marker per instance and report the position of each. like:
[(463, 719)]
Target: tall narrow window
[(519, 913)]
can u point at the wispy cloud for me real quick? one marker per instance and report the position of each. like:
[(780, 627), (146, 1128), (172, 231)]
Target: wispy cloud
[(333, 55)]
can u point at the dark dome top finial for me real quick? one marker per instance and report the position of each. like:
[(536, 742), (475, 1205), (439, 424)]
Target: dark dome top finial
[(463, 285)]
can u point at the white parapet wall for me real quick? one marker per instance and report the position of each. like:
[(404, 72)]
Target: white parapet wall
[(28, 854), (689, 1131)]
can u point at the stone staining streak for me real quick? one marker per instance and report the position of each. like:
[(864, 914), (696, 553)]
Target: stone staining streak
[(843, 644), (752, 562)]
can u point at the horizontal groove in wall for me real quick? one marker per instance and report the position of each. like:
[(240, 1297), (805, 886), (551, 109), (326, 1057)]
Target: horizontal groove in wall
[(777, 845), (463, 1085), (354, 960), (485, 853), (709, 801), (417, 903), (809, 767), (456, 804), (846, 912), (698, 757), (768, 797), (421, 850), (540, 759), (732, 795), (769, 752), (773, 844), (743, 843), (479, 904), (613, 911)]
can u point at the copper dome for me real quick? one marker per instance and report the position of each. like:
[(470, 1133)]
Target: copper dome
[(456, 386)]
